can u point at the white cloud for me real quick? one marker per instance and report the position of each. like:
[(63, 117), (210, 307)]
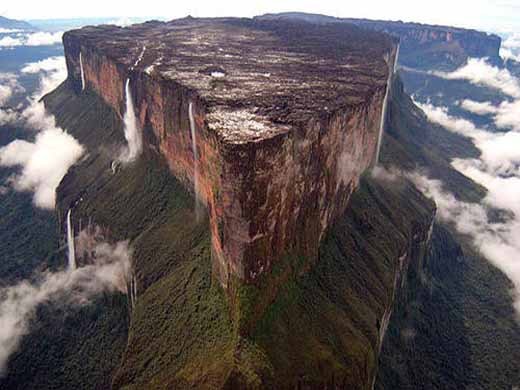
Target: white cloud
[(510, 49), (50, 64), (8, 87), (500, 151), (32, 39), (505, 115), (53, 71), (43, 38), (44, 162), (107, 271), (503, 191), (508, 115), (8, 116), (47, 159), (512, 41), (5, 93), (385, 175), (10, 41), (480, 108), (508, 54), (440, 115), (9, 30), (479, 72), (497, 169), (36, 118), (498, 242)]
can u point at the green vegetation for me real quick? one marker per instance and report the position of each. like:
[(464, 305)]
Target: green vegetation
[(454, 326), (67, 347), (412, 142), (28, 233), (71, 347), (321, 328), (323, 325)]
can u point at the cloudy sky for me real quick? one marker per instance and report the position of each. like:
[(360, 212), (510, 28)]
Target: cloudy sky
[(490, 15)]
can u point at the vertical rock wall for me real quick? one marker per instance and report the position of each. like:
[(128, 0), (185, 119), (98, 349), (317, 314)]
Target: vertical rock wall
[(265, 198)]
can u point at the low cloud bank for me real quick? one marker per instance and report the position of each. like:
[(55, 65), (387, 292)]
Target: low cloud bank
[(508, 54), (9, 30), (510, 49), (32, 39), (505, 115), (500, 150), (45, 160), (479, 72), (108, 271), (9, 86), (48, 65), (441, 116), (52, 70), (497, 169), (480, 108), (497, 241)]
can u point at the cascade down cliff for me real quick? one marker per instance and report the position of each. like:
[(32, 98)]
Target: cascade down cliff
[(422, 45), (286, 121), (183, 329), (283, 143), (316, 318)]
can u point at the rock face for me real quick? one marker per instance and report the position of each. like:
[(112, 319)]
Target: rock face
[(422, 45), (286, 120), (438, 45)]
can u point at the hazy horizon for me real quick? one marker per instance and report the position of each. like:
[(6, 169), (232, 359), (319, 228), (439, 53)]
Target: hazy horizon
[(492, 16)]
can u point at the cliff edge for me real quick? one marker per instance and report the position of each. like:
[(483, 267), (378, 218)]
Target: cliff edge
[(270, 125), (422, 46)]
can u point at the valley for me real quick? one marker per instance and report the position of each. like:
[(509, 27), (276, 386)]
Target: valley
[(271, 180)]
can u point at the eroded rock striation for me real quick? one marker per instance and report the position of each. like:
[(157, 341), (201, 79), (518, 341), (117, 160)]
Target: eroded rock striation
[(287, 119)]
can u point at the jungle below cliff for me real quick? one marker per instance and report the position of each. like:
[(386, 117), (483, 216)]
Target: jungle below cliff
[(183, 322), (325, 325)]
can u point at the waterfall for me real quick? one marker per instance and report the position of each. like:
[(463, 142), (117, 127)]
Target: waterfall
[(132, 130), (82, 72), (134, 291), (131, 291), (70, 242), (140, 58), (195, 158), (383, 111), (397, 57)]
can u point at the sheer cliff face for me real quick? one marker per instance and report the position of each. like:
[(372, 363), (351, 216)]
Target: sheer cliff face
[(438, 46), (422, 45), (286, 121), (182, 331)]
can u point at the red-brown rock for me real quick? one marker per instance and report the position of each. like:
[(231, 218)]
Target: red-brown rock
[(287, 119)]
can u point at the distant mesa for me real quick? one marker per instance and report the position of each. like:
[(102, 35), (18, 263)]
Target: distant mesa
[(13, 24), (422, 45)]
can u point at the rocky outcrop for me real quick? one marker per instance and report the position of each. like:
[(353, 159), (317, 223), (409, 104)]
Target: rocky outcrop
[(286, 121), (437, 46), (182, 332), (422, 45)]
